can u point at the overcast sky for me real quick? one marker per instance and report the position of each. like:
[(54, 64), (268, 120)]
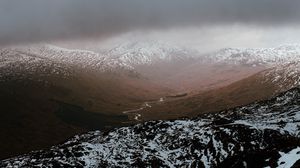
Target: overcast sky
[(42, 20)]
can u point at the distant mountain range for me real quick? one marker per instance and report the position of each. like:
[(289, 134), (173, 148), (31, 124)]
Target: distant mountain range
[(157, 61), (130, 55)]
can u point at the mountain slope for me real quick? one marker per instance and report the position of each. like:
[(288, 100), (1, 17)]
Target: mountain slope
[(279, 77), (48, 95), (257, 135), (285, 76)]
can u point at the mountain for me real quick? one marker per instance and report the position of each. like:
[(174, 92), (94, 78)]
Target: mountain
[(69, 57), (157, 61), (82, 75), (18, 65), (149, 52), (260, 134), (131, 54), (258, 56), (49, 94)]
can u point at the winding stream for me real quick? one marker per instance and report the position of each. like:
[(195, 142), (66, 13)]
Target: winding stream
[(135, 112)]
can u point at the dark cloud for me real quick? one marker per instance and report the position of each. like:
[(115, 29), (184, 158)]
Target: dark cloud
[(32, 20)]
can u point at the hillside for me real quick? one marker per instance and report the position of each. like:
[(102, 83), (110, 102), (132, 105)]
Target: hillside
[(45, 99), (257, 87), (260, 134), (49, 93)]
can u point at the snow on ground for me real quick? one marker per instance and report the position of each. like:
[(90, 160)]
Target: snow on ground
[(287, 160)]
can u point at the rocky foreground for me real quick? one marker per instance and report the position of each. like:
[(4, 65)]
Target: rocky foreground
[(262, 134)]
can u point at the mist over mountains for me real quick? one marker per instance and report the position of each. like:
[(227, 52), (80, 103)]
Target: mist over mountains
[(136, 83)]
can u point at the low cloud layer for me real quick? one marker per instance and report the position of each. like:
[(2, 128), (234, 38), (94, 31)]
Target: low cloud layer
[(39, 20), (204, 39)]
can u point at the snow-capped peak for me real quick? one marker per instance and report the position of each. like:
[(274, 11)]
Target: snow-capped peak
[(148, 52)]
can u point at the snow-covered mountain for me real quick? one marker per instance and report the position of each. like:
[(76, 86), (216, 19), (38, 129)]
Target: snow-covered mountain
[(130, 56), (258, 56), (74, 57), (16, 64), (149, 52), (132, 53), (124, 56), (281, 63), (47, 60), (262, 134)]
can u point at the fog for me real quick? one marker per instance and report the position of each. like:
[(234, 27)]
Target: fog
[(44, 20), (204, 39)]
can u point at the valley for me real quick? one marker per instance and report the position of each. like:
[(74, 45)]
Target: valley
[(52, 93), (150, 84)]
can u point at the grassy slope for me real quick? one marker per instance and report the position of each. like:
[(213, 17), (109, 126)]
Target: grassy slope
[(238, 93), (28, 120)]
